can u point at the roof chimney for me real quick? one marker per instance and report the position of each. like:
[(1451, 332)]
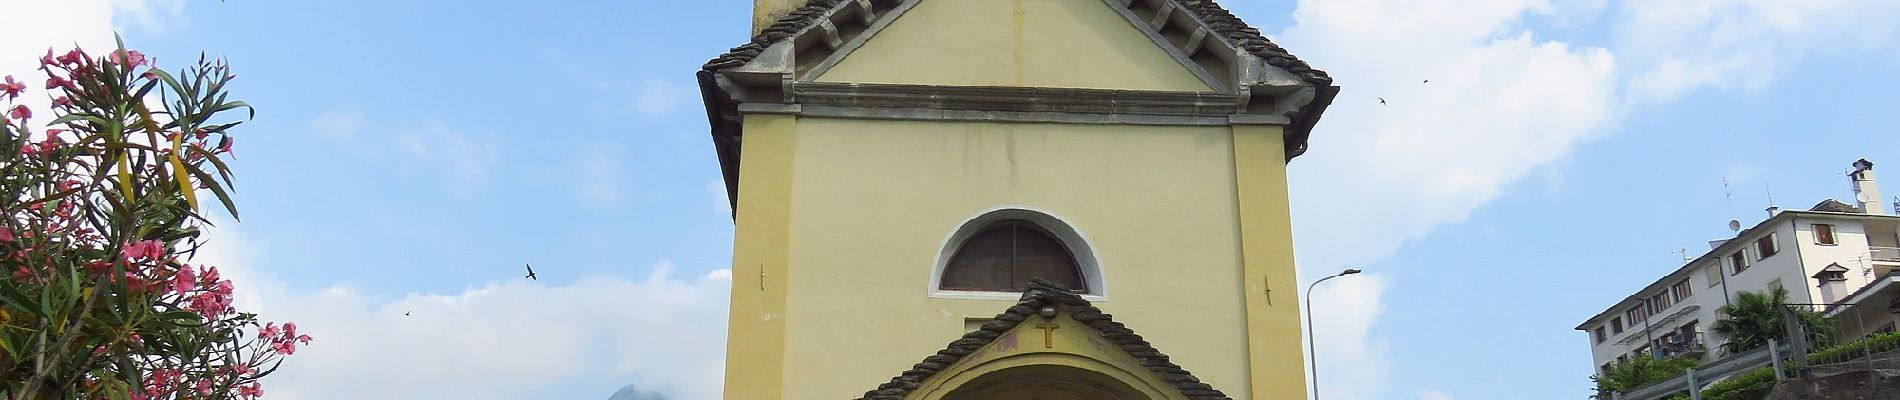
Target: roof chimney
[(765, 12), (1866, 191)]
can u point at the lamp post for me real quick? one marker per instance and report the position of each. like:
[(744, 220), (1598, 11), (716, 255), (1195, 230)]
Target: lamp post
[(1312, 351)]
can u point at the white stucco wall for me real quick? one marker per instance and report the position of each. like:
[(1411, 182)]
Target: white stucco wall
[(1799, 258)]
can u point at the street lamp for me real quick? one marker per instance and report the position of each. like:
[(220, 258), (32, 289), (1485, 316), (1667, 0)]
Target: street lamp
[(1312, 351)]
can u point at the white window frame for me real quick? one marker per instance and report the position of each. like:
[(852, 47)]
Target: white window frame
[(1833, 235), (1078, 243), (1774, 242)]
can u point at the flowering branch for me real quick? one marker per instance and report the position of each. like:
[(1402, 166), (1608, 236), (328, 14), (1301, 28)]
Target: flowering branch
[(99, 219)]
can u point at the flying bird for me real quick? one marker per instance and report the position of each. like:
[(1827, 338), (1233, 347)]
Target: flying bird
[(405, 313), (530, 271), (1427, 81), (1382, 101)]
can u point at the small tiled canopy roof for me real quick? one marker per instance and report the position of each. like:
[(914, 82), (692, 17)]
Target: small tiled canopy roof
[(1217, 18), (1042, 293)]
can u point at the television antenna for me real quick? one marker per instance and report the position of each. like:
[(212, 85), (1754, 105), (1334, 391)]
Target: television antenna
[(1728, 196)]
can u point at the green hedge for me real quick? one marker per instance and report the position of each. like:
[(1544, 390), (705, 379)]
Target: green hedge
[(1639, 371), (1755, 384), (1751, 385), (1860, 348)]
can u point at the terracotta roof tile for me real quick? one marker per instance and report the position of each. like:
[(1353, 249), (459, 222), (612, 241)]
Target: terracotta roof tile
[(1831, 205)]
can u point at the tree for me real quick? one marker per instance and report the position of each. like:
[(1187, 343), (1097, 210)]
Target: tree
[(1638, 371), (99, 220), (1755, 317)]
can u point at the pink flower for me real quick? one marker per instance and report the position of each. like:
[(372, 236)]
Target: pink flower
[(63, 101), (6, 235), (72, 57), (29, 149), (48, 60), (20, 112), (185, 281), (143, 250), (128, 58), (11, 87), (58, 82), (214, 302), (224, 146), (49, 145), (204, 386), (252, 390)]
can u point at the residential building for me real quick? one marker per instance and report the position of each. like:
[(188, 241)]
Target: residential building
[(1832, 253)]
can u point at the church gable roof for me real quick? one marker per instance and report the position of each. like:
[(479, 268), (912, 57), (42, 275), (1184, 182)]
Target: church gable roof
[(1216, 18), (1044, 294), (1252, 80)]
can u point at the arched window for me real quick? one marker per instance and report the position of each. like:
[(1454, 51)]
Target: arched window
[(1005, 255)]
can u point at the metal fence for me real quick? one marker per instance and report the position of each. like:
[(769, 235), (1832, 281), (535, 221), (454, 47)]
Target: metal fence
[(1838, 364), (1695, 377)]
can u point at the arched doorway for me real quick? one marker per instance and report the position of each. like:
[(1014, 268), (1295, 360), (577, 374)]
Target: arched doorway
[(1045, 382)]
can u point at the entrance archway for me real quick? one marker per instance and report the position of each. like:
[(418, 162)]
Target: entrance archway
[(1045, 382)]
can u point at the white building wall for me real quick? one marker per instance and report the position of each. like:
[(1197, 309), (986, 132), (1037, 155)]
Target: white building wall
[(1850, 250), (1793, 266)]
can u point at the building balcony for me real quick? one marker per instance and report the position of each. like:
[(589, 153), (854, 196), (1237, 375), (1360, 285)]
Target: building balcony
[(1884, 253), (1683, 345)]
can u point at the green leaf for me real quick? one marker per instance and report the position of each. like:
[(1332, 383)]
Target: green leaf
[(223, 197), (78, 117), (147, 88), (20, 300)]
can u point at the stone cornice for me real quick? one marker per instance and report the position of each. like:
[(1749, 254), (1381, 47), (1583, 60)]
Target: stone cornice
[(1015, 99)]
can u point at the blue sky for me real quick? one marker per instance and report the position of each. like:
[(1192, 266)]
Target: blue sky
[(410, 156)]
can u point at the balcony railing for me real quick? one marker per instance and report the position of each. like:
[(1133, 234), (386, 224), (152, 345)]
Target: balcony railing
[(1683, 345), (1883, 253)]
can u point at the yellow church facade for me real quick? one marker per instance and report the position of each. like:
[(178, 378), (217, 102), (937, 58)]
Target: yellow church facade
[(946, 199)]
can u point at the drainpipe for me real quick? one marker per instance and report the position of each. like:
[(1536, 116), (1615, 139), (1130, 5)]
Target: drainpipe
[(1655, 351), (1796, 239)]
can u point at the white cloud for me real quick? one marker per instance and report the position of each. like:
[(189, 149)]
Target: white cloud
[(465, 158), (716, 190), (1352, 363), (505, 340), (602, 175), (659, 97), (1430, 394), (1501, 103), (338, 124), (33, 26), (1681, 46)]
